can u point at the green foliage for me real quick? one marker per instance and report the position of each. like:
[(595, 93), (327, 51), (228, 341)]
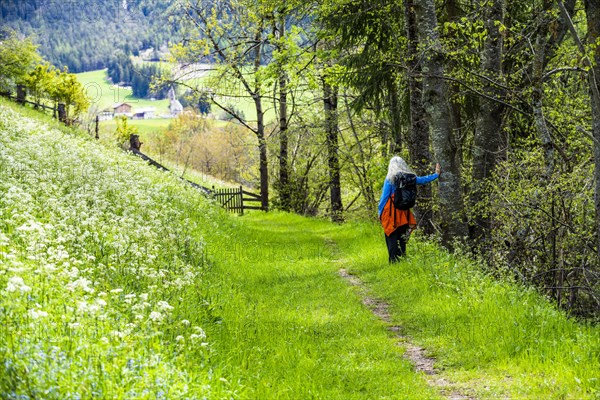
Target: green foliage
[(18, 57), (124, 131), (543, 230), (172, 298), (39, 83), (493, 338), (200, 103), (68, 90)]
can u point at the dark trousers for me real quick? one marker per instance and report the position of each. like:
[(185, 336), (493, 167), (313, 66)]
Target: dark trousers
[(396, 243)]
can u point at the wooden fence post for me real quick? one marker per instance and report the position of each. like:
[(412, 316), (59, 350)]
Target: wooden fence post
[(21, 93), (134, 142), (97, 124), (62, 113), (241, 200)]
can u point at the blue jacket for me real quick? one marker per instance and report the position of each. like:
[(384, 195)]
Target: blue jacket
[(388, 189)]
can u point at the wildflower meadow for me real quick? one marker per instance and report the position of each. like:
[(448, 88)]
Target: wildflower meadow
[(101, 272)]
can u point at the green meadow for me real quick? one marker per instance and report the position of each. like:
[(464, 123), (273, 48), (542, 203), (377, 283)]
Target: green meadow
[(119, 281), (103, 95)]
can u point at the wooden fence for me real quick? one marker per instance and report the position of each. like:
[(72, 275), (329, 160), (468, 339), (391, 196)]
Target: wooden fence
[(236, 199)]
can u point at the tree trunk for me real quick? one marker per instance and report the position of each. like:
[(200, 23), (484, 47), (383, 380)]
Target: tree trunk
[(395, 117), (284, 189), (439, 116), (62, 113), (539, 63), (592, 10), (260, 125), (488, 130), (418, 138), (21, 94), (331, 129), (453, 14)]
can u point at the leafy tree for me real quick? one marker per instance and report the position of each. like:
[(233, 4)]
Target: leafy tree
[(40, 81), (123, 131), (234, 35), (66, 89), (18, 57), (437, 106)]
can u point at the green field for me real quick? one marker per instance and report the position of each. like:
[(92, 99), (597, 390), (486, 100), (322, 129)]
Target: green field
[(102, 94)]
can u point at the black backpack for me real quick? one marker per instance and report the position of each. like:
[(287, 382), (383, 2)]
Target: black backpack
[(405, 191)]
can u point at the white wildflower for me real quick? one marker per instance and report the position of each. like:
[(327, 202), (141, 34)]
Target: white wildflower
[(164, 306), (180, 338), (50, 267), (200, 332), (81, 283), (35, 314), (185, 322), (82, 306), (156, 316), (118, 334), (194, 337), (16, 283)]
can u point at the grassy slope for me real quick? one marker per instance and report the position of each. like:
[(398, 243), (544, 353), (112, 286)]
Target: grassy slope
[(279, 321), (292, 328), (100, 264)]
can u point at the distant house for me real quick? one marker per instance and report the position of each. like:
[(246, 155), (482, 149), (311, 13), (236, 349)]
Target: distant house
[(106, 114), (122, 109), (144, 113)]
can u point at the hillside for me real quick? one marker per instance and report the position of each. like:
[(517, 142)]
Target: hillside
[(120, 282)]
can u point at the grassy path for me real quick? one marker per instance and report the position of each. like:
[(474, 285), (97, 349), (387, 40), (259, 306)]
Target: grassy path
[(292, 328)]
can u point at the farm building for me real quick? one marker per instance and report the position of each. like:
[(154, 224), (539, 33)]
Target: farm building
[(122, 109), (106, 114), (144, 113)]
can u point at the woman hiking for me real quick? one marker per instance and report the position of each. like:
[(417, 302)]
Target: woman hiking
[(395, 215)]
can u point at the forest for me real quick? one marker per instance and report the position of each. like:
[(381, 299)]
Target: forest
[(85, 35)]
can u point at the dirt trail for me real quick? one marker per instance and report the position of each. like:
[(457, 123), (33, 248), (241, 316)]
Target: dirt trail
[(414, 353)]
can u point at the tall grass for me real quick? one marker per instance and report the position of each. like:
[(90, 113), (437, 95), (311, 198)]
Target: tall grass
[(499, 337)]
